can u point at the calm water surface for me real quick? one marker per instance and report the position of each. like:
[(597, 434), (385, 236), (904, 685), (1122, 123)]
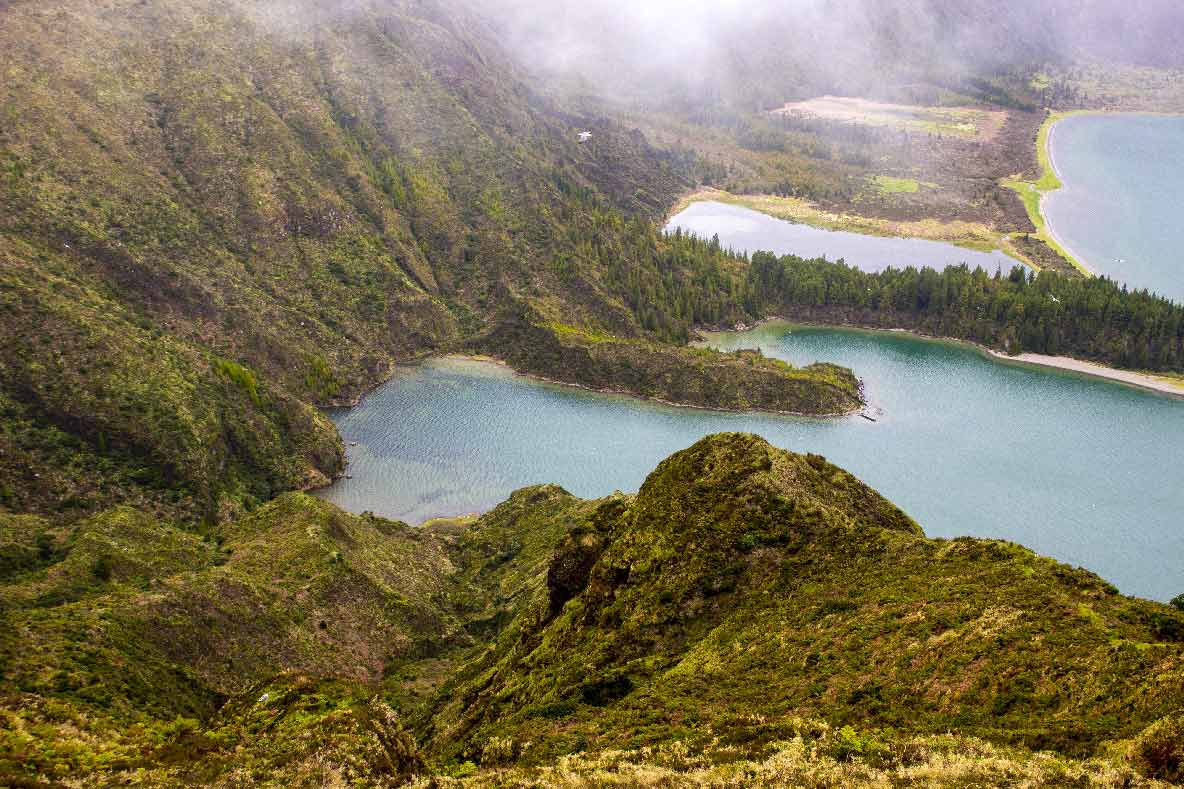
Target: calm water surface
[(1121, 210), (744, 230), (1080, 469)]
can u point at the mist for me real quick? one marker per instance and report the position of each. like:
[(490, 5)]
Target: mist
[(769, 51)]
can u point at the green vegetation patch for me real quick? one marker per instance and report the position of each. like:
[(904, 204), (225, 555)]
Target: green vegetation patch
[(241, 377), (1014, 312), (744, 589), (888, 185)]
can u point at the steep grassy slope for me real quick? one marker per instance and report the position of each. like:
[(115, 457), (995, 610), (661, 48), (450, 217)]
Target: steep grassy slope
[(214, 212), (96, 402), (745, 586), (132, 623), (760, 609)]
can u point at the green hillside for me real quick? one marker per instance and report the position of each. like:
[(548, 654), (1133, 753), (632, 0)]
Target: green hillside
[(748, 607), (214, 214), (218, 217)]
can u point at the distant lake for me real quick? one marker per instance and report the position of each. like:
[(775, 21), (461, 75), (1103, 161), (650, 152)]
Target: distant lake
[(1084, 470), (745, 230), (1121, 210)]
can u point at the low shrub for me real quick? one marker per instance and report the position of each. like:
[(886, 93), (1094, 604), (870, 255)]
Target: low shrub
[(1159, 750)]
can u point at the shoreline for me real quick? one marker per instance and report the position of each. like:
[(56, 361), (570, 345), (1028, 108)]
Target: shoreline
[(1061, 187), (967, 235), (1141, 380), (1163, 385), (1032, 192), (1052, 179), (978, 238), (1054, 120)]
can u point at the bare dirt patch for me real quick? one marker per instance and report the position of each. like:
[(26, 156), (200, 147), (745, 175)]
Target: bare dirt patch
[(968, 123)]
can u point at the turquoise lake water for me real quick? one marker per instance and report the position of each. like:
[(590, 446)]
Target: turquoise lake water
[(1083, 470), (1121, 210), (744, 230)]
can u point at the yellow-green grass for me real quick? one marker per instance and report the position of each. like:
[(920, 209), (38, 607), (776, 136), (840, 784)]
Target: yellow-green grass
[(581, 333), (886, 184), (844, 756), (1032, 192), (457, 522), (969, 235), (1173, 379)]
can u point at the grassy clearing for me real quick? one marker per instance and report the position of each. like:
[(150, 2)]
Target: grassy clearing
[(886, 184), (969, 235)]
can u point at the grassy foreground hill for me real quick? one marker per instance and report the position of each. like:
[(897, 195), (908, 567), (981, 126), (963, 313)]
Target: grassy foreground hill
[(750, 612)]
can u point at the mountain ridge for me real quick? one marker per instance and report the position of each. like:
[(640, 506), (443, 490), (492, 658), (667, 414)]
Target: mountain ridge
[(746, 597)]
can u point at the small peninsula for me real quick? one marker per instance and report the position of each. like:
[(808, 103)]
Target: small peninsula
[(685, 376)]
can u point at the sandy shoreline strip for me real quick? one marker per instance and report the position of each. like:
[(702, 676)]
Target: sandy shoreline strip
[(1149, 381), (1052, 163), (1141, 380)]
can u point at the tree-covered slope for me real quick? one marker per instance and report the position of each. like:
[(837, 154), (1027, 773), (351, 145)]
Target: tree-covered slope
[(1095, 319)]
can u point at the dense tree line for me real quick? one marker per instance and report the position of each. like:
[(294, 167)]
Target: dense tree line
[(673, 282), (677, 282), (669, 282), (1020, 312)]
